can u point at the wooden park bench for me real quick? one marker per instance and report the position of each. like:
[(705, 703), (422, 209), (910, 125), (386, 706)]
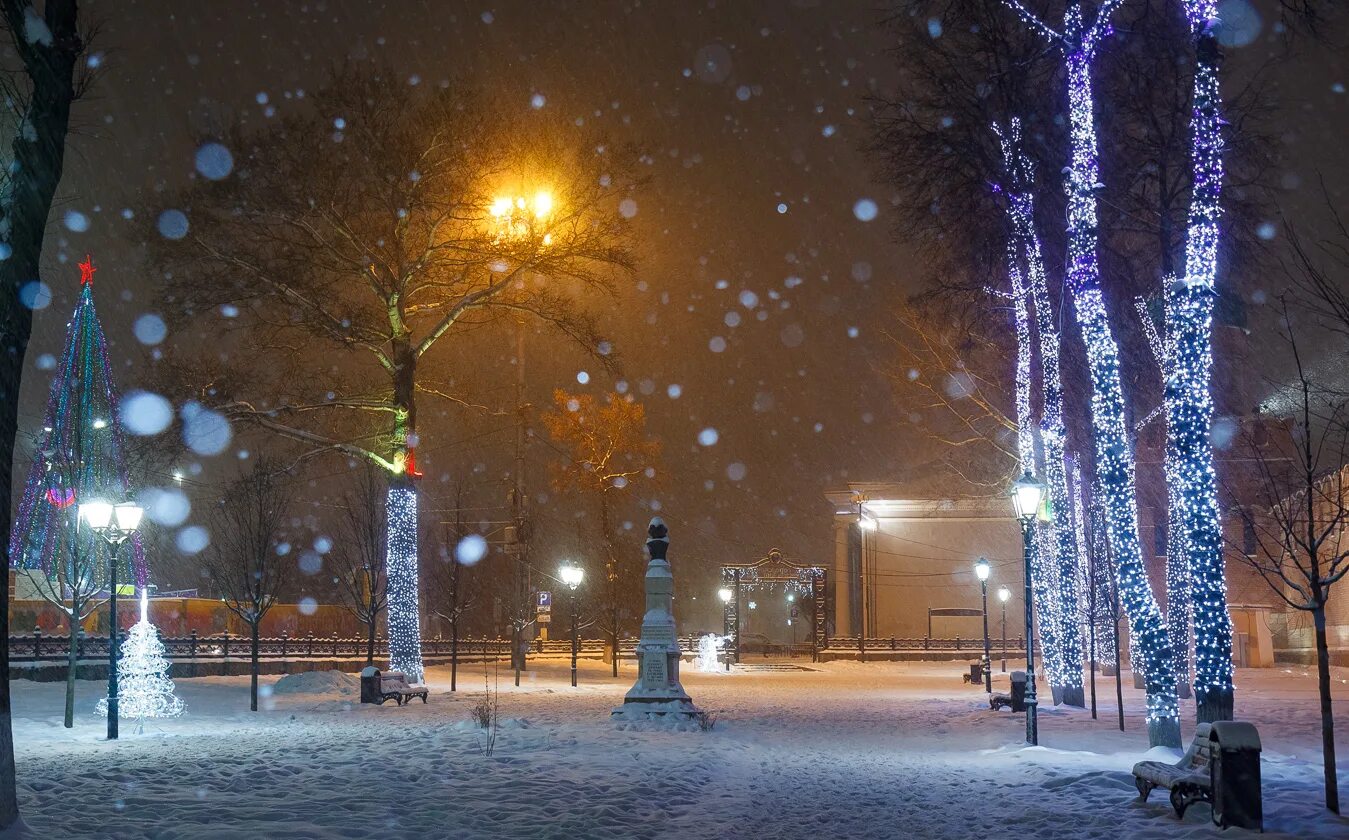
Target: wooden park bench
[(392, 685), (1187, 779)]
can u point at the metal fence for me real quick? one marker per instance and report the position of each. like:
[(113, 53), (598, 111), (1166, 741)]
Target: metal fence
[(39, 646), (853, 643)]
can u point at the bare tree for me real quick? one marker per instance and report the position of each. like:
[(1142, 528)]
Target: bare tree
[(607, 451), (357, 560), (451, 591), (244, 560), (37, 102), (1299, 512), (360, 231)]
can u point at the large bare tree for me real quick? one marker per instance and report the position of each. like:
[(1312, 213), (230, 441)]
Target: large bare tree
[(356, 235)]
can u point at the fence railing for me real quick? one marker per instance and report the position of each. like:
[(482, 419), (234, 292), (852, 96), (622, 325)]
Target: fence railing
[(884, 643), (39, 646)]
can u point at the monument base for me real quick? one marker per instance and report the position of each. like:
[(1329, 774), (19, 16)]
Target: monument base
[(647, 708)]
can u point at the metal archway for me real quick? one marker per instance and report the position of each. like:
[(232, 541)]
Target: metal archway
[(774, 568)]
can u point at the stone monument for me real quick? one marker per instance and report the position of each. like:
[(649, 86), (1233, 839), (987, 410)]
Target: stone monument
[(657, 690)]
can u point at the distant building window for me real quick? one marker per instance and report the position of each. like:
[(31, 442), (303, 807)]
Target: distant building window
[(1249, 543)]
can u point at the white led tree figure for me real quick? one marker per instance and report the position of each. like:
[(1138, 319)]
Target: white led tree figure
[(1079, 42), (1189, 404), (144, 688), (1066, 677)]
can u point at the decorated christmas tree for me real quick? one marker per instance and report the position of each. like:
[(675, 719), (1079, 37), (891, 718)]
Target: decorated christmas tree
[(144, 687), (79, 457)]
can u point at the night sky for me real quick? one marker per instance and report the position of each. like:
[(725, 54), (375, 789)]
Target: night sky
[(753, 115)]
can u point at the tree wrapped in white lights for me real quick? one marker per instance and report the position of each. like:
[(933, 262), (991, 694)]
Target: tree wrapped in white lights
[(1080, 41), (1189, 405), (1066, 672), (144, 688)]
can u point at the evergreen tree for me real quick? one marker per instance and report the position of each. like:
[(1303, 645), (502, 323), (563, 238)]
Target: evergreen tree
[(144, 687), (79, 457)]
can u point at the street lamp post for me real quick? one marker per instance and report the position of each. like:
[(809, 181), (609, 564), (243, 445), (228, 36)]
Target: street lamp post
[(1003, 595), (1027, 493), (725, 595), (572, 576), (982, 569), (115, 524)]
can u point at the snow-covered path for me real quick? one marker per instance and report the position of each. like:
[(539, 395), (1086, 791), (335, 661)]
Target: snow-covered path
[(843, 750)]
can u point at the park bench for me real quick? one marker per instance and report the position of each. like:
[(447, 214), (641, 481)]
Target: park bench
[(1188, 779), (376, 687)]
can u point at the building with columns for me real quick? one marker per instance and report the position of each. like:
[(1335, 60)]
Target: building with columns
[(897, 559)]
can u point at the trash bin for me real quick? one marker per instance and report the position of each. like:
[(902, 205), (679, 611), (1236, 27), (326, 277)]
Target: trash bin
[(976, 672), (370, 684), (1234, 772), (1018, 691)]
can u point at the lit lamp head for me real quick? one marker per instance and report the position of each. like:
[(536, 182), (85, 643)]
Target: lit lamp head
[(725, 595), (115, 523), (96, 514), (571, 576), (867, 522), (1004, 594), (982, 569), (1027, 495)]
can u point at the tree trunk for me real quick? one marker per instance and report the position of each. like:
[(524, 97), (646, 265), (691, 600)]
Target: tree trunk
[(38, 159), (253, 666), (454, 655), (1327, 720), (403, 611), (370, 638), (72, 663)]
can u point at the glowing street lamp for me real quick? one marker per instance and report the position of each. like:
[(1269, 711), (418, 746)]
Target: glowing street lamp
[(115, 524), (1027, 494), (572, 575), (982, 570)]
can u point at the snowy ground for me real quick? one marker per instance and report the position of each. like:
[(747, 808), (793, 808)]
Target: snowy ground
[(844, 750)]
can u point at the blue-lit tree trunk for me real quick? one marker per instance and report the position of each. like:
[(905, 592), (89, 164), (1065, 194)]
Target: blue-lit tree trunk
[(1044, 583), (1066, 673), (1189, 405), (1114, 454)]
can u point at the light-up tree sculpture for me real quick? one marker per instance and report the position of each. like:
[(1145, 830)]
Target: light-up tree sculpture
[(359, 236), (144, 688), (1189, 405), (1021, 212), (1079, 42), (79, 456)]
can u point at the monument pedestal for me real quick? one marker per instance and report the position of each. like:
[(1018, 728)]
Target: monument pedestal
[(657, 691)]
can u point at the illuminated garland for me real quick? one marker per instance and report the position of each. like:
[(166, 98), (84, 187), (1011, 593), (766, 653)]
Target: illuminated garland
[(1043, 568), (144, 689), (1067, 671), (1189, 404), (1114, 455), (405, 635), (79, 457)]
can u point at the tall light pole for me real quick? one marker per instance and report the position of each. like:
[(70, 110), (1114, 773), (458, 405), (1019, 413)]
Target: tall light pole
[(982, 569), (572, 576), (116, 524), (725, 594), (1027, 493), (1004, 594)]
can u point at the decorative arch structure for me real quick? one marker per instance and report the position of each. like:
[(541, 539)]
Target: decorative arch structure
[(776, 570)]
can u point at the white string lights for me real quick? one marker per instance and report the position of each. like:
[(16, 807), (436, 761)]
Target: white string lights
[(1189, 404), (1114, 455), (405, 635)]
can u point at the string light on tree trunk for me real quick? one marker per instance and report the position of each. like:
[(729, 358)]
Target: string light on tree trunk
[(1114, 456), (405, 636)]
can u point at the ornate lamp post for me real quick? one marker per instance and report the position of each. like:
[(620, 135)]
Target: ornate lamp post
[(725, 594), (1027, 493), (982, 569), (1004, 594), (116, 524), (571, 576)]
